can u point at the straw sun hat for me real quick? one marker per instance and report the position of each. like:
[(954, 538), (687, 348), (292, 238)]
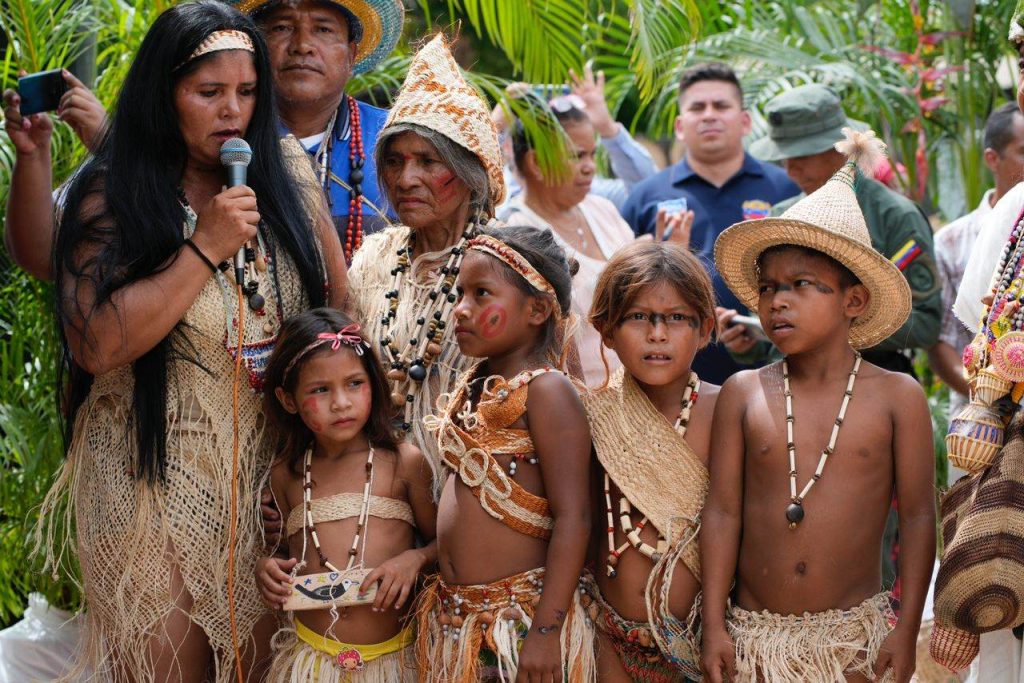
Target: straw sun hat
[(375, 24), (830, 221)]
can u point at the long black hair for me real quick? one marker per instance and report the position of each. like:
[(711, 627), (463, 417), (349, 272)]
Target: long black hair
[(285, 366), (123, 219)]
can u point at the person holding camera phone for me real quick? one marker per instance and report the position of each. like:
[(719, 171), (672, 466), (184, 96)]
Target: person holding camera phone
[(30, 203)]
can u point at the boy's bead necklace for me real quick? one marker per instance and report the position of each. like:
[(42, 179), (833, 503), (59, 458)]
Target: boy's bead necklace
[(632, 534), (795, 510)]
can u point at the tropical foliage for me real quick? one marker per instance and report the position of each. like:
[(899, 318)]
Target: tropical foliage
[(921, 72)]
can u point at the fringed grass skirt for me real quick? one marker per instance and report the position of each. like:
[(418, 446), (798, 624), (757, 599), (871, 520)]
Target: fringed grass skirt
[(474, 633), (823, 647)]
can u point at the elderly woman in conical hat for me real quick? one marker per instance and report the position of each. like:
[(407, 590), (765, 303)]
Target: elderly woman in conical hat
[(439, 166)]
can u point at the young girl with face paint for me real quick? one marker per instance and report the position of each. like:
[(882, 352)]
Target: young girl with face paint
[(651, 422), (513, 517), (368, 495)]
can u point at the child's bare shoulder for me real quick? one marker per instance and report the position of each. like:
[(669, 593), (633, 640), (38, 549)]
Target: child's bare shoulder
[(552, 389), (410, 459), (709, 394), (744, 383), (896, 389), (281, 474)]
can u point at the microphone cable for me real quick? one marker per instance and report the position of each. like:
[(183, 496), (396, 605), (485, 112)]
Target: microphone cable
[(233, 524)]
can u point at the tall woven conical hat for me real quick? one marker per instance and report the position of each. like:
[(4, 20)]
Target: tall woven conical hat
[(436, 96), (828, 220)]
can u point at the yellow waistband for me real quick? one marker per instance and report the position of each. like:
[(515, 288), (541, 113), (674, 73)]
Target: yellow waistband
[(400, 641)]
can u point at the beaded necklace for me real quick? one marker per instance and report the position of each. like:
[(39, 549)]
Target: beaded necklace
[(690, 395), (307, 514), (357, 159), (409, 364), (795, 510)]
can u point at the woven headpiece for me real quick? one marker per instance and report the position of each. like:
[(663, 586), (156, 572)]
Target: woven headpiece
[(221, 40), (436, 96), (513, 259), (1017, 24), (828, 220), (375, 24)]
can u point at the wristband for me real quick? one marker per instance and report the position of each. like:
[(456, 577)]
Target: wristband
[(200, 254)]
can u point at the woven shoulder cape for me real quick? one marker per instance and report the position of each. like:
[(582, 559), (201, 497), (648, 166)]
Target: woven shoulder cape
[(651, 464)]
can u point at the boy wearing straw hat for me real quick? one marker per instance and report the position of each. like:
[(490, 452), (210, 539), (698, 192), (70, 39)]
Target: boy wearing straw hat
[(806, 455)]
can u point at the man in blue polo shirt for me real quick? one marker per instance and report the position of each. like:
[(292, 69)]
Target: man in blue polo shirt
[(722, 184)]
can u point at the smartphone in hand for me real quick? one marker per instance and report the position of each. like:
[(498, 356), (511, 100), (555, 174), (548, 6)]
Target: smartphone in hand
[(752, 324), (41, 91), (672, 207)]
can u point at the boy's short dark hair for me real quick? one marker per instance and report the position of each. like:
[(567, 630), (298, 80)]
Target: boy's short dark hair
[(711, 71), (846, 277), (999, 127)]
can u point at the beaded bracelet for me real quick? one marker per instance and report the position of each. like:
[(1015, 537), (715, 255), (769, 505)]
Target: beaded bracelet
[(200, 254)]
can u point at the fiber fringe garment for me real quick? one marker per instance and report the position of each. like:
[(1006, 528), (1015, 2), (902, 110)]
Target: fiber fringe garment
[(824, 646), (661, 476), (632, 641), (369, 278), (303, 656), (469, 440), (460, 626), (130, 536), (649, 462)]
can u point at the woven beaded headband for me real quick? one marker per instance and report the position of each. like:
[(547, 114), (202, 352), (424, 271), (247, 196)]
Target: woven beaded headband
[(513, 259), (221, 40), (347, 336)]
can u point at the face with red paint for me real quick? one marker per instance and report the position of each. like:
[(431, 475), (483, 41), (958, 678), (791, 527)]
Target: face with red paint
[(332, 396), (493, 317), (424, 191)]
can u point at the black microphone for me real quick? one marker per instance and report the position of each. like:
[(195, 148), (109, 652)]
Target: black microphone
[(235, 155)]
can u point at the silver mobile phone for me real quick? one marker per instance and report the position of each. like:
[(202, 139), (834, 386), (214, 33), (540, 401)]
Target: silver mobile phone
[(752, 324)]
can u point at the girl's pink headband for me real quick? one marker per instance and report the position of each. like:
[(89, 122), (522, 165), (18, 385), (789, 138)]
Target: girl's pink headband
[(347, 336)]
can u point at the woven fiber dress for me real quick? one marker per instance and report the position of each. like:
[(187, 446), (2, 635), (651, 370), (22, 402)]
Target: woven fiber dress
[(131, 535)]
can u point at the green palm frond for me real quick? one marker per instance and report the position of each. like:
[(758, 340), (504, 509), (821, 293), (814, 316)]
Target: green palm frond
[(542, 38)]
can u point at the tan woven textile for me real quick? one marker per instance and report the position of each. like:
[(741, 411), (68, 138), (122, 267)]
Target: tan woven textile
[(345, 505), (459, 623), (654, 467), (468, 441), (436, 96), (821, 647), (130, 535), (369, 279), (980, 584)]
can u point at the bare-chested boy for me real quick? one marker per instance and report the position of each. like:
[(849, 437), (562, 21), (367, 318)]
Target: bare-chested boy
[(806, 456)]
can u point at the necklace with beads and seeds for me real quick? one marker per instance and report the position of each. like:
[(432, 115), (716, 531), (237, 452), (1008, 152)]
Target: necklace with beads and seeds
[(632, 534), (795, 510), (409, 359)]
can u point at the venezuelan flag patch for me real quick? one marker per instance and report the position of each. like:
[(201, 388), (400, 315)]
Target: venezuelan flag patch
[(906, 255), (755, 209)]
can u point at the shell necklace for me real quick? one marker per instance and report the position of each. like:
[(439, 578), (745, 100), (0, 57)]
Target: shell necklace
[(795, 510)]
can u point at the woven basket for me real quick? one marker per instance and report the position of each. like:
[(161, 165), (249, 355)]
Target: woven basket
[(953, 648), (980, 584), (975, 436), (990, 386)]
